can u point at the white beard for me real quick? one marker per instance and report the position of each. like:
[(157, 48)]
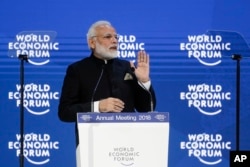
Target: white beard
[(105, 52)]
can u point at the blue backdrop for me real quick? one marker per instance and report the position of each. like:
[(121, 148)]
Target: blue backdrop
[(190, 45)]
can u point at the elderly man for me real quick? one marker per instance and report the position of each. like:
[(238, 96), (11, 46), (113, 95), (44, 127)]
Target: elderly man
[(104, 83)]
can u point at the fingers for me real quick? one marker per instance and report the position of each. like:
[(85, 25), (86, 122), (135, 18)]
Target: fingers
[(118, 105), (143, 57), (111, 105)]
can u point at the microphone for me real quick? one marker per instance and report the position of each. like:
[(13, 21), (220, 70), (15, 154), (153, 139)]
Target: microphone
[(150, 94), (96, 86), (23, 57)]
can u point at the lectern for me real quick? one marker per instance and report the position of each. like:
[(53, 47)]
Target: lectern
[(123, 139)]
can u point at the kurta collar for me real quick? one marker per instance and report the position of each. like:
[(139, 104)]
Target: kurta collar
[(101, 61)]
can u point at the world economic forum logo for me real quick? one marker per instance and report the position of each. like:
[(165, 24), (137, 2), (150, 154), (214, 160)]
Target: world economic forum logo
[(37, 97), (206, 48), (207, 148), (125, 156), (129, 46), (37, 147), (37, 45), (210, 48), (207, 98), (86, 118)]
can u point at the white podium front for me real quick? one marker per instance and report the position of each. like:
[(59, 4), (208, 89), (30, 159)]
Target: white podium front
[(123, 139)]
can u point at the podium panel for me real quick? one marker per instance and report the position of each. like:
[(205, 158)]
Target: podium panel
[(123, 139)]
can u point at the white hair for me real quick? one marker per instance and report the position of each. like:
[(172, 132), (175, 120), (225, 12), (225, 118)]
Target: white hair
[(92, 29)]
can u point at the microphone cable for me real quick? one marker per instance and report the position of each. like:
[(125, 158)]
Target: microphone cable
[(96, 86)]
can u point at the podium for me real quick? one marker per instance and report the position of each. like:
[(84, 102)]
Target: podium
[(123, 139)]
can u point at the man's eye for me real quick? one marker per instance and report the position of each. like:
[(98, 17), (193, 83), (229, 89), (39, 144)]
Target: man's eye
[(108, 36), (111, 36)]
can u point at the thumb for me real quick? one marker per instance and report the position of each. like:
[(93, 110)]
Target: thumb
[(132, 65)]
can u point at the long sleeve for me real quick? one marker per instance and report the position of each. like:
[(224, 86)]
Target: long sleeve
[(69, 104)]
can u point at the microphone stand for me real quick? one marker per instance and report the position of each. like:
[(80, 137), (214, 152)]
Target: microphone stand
[(237, 57), (21, 155)]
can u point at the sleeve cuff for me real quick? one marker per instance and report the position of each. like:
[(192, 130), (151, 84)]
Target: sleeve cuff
[(96, 106), (145, 85)]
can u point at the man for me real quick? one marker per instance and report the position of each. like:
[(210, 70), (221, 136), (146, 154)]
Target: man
[(102, 82)]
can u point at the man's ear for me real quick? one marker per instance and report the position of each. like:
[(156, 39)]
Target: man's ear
[(91, 43)]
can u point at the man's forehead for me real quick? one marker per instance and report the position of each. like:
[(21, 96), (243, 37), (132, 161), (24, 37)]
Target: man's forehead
[(105, 29)]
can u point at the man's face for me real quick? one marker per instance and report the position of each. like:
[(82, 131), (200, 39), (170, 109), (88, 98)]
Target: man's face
[(105, 43)]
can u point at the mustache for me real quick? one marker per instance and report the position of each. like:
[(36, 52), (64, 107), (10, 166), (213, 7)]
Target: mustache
[(113, 47)]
